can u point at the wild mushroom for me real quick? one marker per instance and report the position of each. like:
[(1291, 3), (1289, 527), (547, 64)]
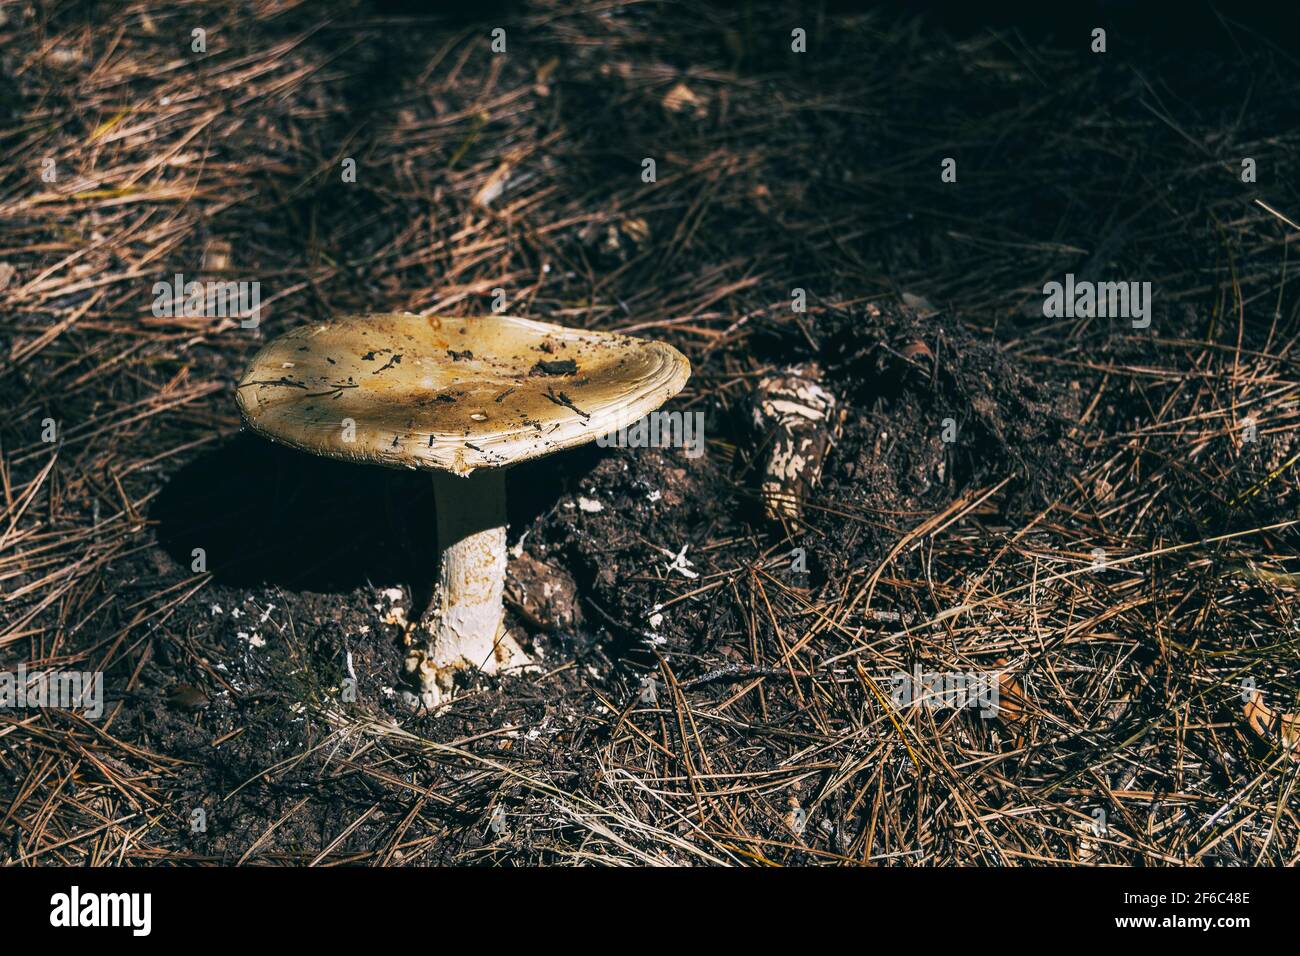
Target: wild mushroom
[(795, 418), (464, 398)]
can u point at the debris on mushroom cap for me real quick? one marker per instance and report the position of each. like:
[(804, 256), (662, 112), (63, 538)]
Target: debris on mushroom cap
[(452, 394)]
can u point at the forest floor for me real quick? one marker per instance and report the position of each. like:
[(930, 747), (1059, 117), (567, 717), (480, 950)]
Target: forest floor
[(1101, 514)]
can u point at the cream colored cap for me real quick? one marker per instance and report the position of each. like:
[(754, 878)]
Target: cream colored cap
[(452, 394)]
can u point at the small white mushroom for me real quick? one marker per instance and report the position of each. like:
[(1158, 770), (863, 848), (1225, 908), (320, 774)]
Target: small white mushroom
[(798, 419), (464, 398)]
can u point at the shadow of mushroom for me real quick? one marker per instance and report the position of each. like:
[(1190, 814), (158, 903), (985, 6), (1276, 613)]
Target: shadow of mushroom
[(265, 515), (268, 515)]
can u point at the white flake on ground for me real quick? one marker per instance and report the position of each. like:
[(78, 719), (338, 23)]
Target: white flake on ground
[(680, 563)]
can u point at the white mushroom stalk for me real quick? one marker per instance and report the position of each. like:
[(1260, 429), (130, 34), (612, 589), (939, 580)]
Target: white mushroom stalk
[(465, 628)]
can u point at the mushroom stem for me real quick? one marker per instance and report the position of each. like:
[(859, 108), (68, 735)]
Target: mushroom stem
[(465, 624)]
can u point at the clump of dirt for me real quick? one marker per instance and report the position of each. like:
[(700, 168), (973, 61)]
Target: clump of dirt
[(628, 529), (543, 593), (930, 412), (931, 380)]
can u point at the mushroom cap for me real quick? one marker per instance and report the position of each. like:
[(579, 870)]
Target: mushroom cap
[(451, 394)]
